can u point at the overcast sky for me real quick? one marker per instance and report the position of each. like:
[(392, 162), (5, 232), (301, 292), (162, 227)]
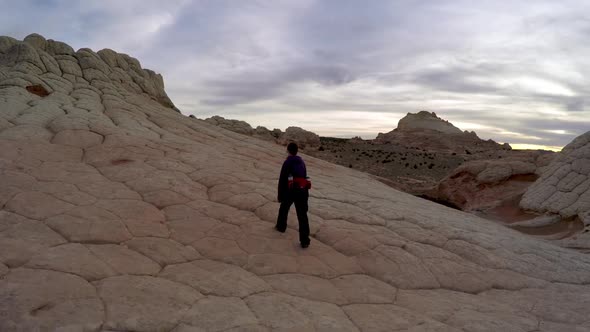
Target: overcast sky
[(513, 71)]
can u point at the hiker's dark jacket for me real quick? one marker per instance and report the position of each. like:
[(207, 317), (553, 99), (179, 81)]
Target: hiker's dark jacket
[(293, 166)]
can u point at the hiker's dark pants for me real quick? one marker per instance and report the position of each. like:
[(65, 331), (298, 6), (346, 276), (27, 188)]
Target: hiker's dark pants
[(299, 197)]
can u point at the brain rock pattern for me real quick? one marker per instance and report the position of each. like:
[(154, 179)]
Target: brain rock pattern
[(564, 188)]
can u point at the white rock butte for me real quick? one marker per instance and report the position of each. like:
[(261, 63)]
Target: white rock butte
[(427, 120), (120, 214)]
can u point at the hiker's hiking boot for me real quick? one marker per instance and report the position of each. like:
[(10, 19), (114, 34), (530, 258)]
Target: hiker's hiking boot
[(279, 230)]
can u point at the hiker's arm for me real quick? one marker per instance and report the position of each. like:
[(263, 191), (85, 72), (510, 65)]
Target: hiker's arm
[(283, 181)]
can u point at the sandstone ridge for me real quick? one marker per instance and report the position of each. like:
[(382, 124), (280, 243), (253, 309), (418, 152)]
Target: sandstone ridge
[(56, 67), (304, 138), (118, 214)]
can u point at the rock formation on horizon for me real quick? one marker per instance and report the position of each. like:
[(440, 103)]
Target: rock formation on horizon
[(120, 214), (426, 120), (238, 126), (425, 130), (301, 136)]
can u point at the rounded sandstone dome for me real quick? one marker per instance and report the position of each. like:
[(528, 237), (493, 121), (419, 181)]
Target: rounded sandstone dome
[(427, 120)]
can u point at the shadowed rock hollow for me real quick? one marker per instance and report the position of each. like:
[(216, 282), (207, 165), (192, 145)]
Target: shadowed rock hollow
[(121, 214), (480, 185)]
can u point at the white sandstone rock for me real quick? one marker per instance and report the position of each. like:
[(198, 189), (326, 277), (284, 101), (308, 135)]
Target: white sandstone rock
[(162, 303), (302, 137), (427, 120), (42, 300), (564, 188)]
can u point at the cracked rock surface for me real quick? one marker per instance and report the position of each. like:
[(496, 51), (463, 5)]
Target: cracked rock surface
[(564, 189), (118, 213)]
